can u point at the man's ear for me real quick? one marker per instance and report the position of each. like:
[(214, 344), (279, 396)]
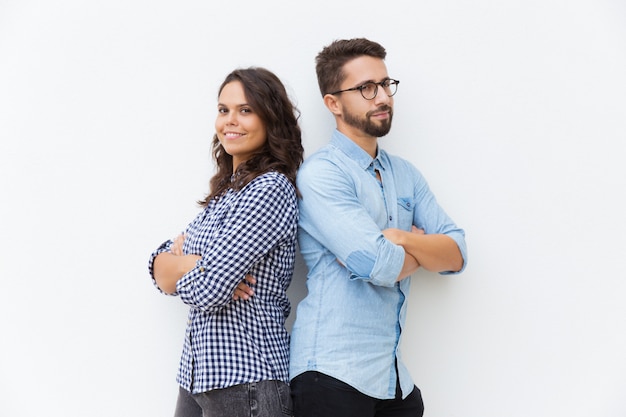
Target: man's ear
[(331, 102)]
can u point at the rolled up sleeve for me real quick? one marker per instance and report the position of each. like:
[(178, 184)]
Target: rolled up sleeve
[(433, 219), (164, 247), (332, 214)]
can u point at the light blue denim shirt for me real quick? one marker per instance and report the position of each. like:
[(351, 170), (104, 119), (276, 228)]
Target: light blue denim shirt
[(349, 325)]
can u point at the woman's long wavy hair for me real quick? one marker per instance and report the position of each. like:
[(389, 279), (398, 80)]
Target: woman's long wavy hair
[(282, 150)]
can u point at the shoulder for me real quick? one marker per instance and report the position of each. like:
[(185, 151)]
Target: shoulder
[(270, 183), (399, 164), (326, 159)]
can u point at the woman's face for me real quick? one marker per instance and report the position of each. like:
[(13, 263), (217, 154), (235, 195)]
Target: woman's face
[(239, 129)]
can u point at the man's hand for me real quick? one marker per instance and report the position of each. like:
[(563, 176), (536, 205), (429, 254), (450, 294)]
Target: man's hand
[(399, 237), (396, 235), (433, 252), (416, 230)]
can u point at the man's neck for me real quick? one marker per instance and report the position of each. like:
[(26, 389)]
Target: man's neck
[(368, 143)]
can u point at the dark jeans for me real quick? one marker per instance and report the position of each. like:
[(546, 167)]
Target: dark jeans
[(318, 395), (256, 399)]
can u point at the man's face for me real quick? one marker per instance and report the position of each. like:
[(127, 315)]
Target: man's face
[(372, 117), (368, 123)]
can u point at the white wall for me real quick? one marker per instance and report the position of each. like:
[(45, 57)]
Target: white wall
[(514, 111)]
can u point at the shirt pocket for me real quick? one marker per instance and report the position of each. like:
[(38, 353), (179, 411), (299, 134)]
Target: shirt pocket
[(406, 207)]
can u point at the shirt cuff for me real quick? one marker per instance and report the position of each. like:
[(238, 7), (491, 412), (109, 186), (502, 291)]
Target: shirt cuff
[(387, 265)]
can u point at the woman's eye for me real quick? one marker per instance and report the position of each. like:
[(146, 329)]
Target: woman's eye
[(222, 110)]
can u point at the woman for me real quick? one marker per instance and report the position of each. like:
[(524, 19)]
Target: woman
[(234, 262)]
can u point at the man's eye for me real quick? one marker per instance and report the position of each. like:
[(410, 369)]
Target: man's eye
[(367, 88)]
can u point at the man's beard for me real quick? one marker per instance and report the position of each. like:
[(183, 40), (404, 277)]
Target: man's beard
[(369, 126)]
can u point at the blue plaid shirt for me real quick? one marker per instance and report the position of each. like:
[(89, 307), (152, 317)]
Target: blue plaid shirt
[(251, 231)]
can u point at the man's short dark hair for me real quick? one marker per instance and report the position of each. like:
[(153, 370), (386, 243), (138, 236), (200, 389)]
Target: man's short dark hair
[(330, 61)]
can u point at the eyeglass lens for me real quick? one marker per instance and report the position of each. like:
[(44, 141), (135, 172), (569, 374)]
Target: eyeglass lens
[(369, 90)]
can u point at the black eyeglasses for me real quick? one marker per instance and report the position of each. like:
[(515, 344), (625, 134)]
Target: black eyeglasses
[(370, 89)]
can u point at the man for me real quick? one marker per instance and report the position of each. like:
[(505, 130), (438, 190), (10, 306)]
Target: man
[(367, 221)]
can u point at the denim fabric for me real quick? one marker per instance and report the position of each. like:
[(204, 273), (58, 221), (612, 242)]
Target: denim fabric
[(350, 323), (255, 399)]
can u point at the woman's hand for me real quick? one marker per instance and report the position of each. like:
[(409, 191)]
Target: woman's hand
[(177, 245), (170, 266), (243, 290)]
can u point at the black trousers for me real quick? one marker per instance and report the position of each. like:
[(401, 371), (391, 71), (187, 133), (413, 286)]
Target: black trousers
[(318, 395)]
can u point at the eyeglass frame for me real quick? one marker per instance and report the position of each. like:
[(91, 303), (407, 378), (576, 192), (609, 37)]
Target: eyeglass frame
[(377, 84)]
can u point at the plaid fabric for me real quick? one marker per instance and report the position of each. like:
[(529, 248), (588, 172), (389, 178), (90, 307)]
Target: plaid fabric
[(234, 342)]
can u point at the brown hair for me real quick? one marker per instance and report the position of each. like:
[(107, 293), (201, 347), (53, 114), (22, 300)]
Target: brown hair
[(330, 61), (282, 151)]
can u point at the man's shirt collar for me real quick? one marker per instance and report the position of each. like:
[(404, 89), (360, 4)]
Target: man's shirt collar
[(355, 152)]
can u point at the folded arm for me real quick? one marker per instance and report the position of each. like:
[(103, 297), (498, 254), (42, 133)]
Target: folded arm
[(434, 252), (170, 266), (332, 214), (411, 264)]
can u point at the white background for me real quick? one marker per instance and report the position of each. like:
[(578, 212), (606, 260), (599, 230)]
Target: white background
[(515, 111)]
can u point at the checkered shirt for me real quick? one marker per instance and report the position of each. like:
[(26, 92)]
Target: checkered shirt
[(251, 231)]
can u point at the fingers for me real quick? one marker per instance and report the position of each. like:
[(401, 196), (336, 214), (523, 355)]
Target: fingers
[(243, 290), (177, 245), (416, 230), (242, 293)]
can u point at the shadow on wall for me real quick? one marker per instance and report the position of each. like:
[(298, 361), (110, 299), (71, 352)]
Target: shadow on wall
[(297, 289)]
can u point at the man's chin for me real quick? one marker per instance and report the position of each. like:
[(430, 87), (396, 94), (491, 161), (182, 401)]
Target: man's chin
[(379, 130)]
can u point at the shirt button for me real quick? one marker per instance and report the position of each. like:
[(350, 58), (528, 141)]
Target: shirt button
[(390, 218), (201, 269)]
